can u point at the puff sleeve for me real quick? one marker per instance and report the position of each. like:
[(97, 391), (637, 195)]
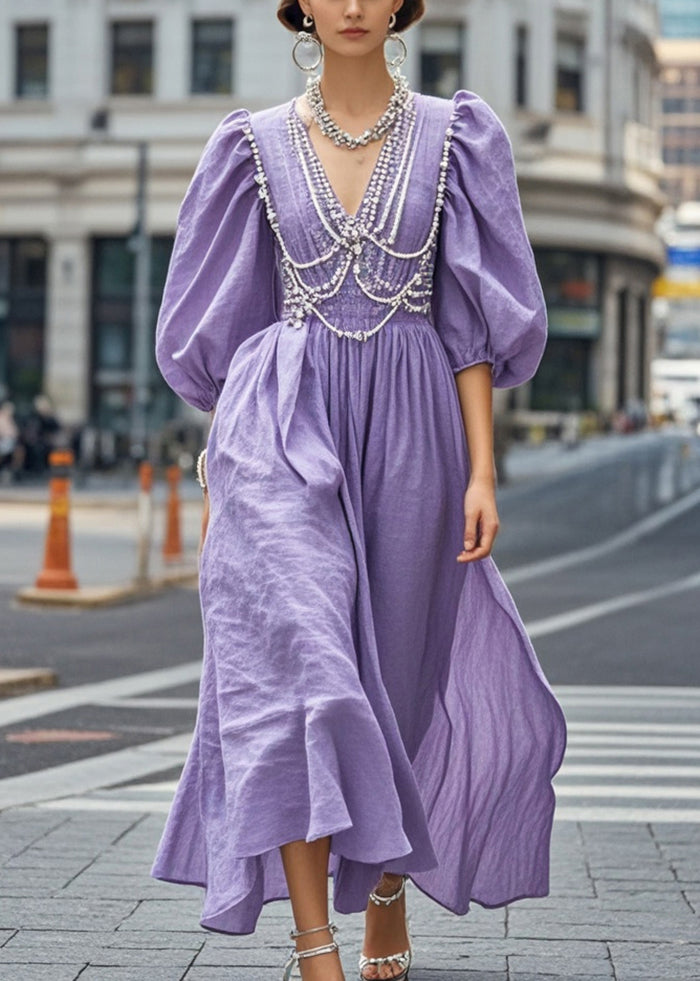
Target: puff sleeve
[(219, 288), (488, 304)]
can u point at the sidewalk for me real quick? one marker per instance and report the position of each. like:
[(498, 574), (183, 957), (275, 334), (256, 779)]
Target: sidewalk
[(76, 900)]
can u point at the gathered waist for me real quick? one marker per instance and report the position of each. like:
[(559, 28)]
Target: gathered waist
[(357, 325)]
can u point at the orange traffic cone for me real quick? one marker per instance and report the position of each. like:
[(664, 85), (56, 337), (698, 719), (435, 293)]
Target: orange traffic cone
[(172, 546), (57, 572)]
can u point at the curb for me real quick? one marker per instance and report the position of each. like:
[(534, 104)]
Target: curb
[(21, 681), (93, 597)]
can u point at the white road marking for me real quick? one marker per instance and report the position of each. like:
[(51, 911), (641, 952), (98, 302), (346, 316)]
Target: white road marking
[(597, 781), (584, 614), (637, 790), (629, 536), (82, 776), (150, 703), (665, 728), (25, 707), (621, 752), (613, 692), (631, 770), (643, 815)]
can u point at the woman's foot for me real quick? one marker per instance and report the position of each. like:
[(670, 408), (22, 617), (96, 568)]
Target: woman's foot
[(385, 930), (321, 967)]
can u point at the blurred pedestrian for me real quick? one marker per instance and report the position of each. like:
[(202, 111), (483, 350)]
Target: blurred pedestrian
[(350, 278), (9, 443), (40, 433)]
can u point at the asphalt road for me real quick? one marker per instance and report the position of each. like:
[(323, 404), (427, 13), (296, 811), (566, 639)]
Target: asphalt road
[(627, 617)]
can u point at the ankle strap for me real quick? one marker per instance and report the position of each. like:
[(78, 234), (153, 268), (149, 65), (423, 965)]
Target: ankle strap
[(330, 948), (304, 933), (386, 900)]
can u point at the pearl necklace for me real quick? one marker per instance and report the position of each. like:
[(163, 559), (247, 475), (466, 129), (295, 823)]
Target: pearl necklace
[(341, 137)]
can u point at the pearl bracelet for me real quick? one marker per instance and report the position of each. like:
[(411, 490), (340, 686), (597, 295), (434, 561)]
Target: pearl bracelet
[(200, 470)]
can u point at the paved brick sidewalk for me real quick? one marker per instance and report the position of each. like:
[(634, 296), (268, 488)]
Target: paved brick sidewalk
[(76, 900)]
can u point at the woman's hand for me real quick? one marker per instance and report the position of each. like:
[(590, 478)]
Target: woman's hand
[(205, 522), (480, 520)]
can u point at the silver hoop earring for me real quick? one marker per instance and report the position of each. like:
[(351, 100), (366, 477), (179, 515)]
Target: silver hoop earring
[(307, 53), (400, 51)]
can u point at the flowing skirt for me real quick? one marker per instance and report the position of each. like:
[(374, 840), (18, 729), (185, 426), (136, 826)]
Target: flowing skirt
[(357, 680)]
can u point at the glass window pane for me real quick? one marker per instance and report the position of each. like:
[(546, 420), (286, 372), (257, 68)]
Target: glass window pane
[(569, 73), (442, 62), (212, 56), (132, 58), (4, 266), (32, 61), (29, 273), (22, 317)]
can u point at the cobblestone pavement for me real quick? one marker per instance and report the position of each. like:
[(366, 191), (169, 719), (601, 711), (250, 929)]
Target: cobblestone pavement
[(77, 900)]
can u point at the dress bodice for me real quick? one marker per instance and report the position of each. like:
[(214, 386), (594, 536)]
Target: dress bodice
[(360, 269), (263, 243)]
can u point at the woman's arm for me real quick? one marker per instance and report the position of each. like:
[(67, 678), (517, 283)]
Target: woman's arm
[(475, 389)]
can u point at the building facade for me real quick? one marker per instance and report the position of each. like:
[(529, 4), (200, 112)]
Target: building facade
[(678, 51), (679, 18), (85, 85)]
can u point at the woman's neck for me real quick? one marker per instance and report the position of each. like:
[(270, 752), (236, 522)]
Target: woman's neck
[(355, 87)]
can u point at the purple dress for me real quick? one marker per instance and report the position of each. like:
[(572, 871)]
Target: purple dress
[(357, 680)]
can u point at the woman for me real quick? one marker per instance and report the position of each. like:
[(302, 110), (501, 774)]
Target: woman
[(350, 277)]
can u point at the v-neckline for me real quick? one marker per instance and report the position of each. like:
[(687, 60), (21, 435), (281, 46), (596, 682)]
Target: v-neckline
[(347, 216)]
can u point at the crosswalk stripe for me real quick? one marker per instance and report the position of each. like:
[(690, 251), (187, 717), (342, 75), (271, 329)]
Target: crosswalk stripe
[(640, 727), (637, 790), (633, 754), (625, 752), (629, 770), (595, 739)]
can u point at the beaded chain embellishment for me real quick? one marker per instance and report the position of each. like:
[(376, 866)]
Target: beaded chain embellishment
[(360, 247), (332, 130)]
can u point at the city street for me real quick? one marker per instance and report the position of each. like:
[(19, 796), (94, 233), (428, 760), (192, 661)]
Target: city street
[(601, 549)]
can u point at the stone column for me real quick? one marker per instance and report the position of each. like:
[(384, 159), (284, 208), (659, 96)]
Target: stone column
[(67, 339)]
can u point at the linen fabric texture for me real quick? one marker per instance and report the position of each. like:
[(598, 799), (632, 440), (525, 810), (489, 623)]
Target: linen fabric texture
[(357, 681)]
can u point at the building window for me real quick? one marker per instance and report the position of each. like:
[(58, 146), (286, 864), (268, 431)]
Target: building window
[(212, 56), (442, 59), (132, 58), (32, 61), (570, 73), (571, 282), (522, 42), (22, 316), (674, 104), (112, 347)]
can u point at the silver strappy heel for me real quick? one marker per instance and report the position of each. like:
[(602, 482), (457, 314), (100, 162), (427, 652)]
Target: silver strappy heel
[(404, 958), (291, 968)]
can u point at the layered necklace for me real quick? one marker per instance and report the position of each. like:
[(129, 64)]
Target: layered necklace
[(341, 137)]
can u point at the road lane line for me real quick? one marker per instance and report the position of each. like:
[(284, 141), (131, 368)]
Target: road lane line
[(625, 753), (643, 815), (614, 691), (629, 536), (639, 791), (584, 614), (82, 776), (24, 707), (142, 703), (629, 770), (664, 728)]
